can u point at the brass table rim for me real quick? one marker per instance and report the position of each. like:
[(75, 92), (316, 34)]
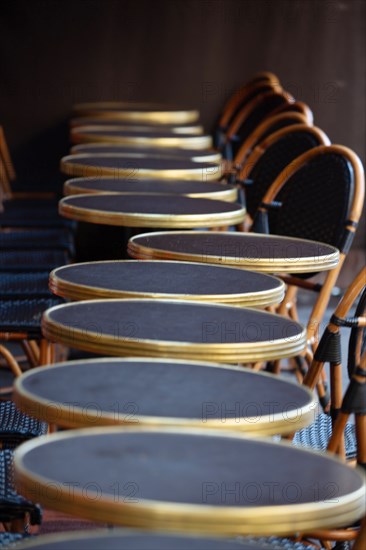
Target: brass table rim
[(236, 345), (270, 424), (187, 141), (69, 289), (291, 263), (129, 346), (192, 129), (197, 155), (209, 173), (130, 111), (228, 193), (138, 219), (200, 516)]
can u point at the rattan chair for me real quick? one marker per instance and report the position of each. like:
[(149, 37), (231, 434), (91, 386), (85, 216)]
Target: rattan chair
[(16, 427), (37, 240), (14, 509), (25, 210), (269, 126), (20, 321), (270, 157), (297, 107), (360, 542), (322, 195), (248, 118), (260, 83), (333, 431), (32, 260), (9, 540), (18, 285)]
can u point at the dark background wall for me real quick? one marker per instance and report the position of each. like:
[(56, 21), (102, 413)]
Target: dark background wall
[(55, 53)]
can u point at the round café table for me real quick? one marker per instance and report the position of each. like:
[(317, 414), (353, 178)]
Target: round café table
[(136, 166), (174, 280), (127, 539), (193, 481), (103, 127), (152, 137), (188, 188), (197, 155), (165, 393), (150, 113), (174, 328), (138, 210), (266, 253), (76, 122)]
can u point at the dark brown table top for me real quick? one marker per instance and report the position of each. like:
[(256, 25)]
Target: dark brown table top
[(160, 392), (126, 539), (206, 155), (268, 253), (138, 165), (191, 188), (120, 130), (174, 328), (159, 279), (150, 210), (166, 112), (98, 121), (162, 138), (189, 480)]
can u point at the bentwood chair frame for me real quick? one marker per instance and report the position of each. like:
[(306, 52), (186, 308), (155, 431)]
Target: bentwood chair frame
[(266, 128), (349, 227), (8, 174), (263, 100), (354, 399), (297, 107), (263, 81), (329, 350), (7, 171), (244, 178)]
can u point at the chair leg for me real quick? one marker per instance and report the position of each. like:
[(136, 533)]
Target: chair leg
[(45, 352), (32, 352), (360, 543), (20, 525), (337, 437), (9, 358), (288, 302), (361, 439), (321, 304)]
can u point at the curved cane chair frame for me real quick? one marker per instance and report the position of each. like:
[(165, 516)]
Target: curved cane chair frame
[(257, 135), (336, 442), (360, 542), (241, 95), (7, 175), (298, 107), (350, 225), (263, 145), (247, 110)]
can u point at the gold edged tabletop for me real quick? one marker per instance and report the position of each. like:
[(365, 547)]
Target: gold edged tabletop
[(104, 128), (187, 188), (185, 140), (173, 480), (166, 280), (257, 252), (137, 165), (137, 112), (163, 211), (174, 328), (164, 393), (197, 155)]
